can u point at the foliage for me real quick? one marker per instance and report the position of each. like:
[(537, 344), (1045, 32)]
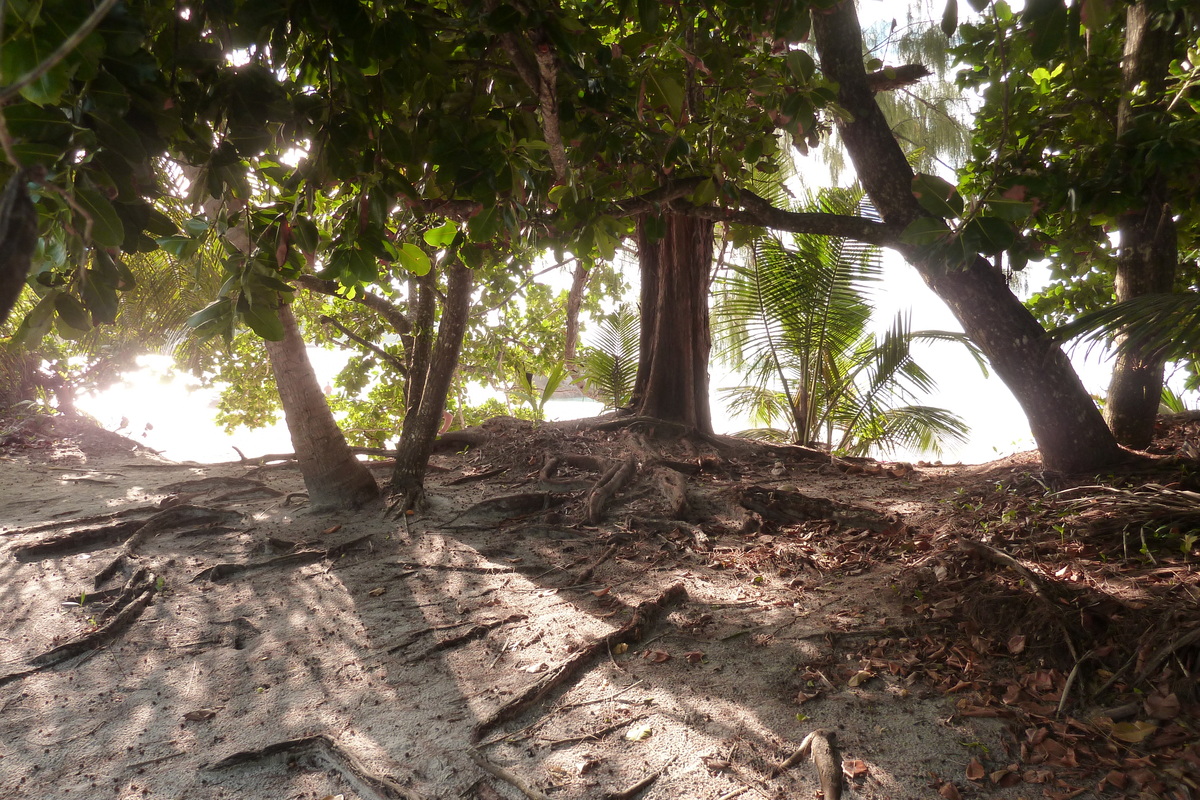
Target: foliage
[(526, 390), (609, 365), (794, 320)]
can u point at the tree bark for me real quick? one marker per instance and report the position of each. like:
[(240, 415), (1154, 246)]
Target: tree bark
[(579, 283), (1149, 254), (1069, 430), (672, 376), (418, 346), (421, 425), (333, 476)]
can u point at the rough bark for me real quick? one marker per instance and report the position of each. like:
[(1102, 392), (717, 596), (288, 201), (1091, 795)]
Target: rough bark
[(425, 414), (1149, 252), (333, 476), (1069, 430), (672, 377), (18, 238), (418, 346)]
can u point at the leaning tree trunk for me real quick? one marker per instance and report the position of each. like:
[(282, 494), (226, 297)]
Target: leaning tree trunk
[(1149, 252), (672, 376), (1068, 428), (333, 476), (421, 425)]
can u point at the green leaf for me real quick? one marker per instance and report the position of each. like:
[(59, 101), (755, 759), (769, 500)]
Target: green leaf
[(989, 235), (37, 322), (107, 229), (1011, 210), (20, 57), (978, 5), (71, 311), (925, 231), (213, 312), (441, 236), (100, 297), (264, 320), (414, 259), (950, 18), (705, 193), (937, 195)]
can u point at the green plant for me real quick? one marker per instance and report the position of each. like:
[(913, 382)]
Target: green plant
[(610, 365), (794, 319), (525, 389)]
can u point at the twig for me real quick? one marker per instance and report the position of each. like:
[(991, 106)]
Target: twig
[(587, 737), (61, 52), (637, 788), (1062, 702), (506, 776)]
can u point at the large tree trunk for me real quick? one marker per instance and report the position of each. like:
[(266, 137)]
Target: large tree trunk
[(333, 476), (1149, 252), (672, 376), (1068, 428), (421, 425)]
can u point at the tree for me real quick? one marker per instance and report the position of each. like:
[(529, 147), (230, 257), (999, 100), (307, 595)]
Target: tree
[(333, 476), (794, 318), (1090, 131)]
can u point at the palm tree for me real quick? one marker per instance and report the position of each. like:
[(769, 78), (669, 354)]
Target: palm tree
[(795, 321), (609, 366)]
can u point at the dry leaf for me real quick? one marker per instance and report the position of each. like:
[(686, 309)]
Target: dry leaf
[(201, 714), (1162, 707), (378, 590), (621, 648), (1133, 732), (854, 768), (1117, 779), (333, 529), (694, 656), (1016, 644), (602, 592), (975, 770), (860, 677), (639, 732), (949, 791), (656, 656), (804, 697)]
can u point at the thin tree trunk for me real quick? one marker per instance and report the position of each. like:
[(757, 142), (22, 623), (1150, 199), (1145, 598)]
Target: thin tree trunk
[(1149, 253), (421, 426), (579, 283), (419, 345), (1068, 428), (333, 476), (672, 377)]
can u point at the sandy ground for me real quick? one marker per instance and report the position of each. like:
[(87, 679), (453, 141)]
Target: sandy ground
[(383, 669)]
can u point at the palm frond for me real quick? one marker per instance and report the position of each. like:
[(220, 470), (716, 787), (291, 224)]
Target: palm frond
[(1158, 326), (610, 366)]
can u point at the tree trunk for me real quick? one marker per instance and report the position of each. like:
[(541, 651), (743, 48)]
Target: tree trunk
[(1149, 252), (1068, 428), (579, 283), (421, 425), (418, 346), (333, 476), (672, 376)]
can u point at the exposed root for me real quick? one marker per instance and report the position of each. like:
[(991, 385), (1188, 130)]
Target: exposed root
[(321, 752), (673, 486), (135, 596), (163, 520), (511, 505), (477, 631), (477, 476), (788, 507), (501, 773), (97, 520), (631, 632), (611, 482), (70, 542), (634, 790), (822, 748), (586, 575)]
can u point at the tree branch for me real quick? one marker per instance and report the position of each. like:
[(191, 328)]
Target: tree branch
[(386, 309), (890, 78), (63, 50), (396, 362)]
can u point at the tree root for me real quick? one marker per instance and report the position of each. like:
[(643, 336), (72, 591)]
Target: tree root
[(586, 575), (477, 631), (77, 541), (514, 504), (634, 790), (139, 511), (321, 752), (821, 746), (163, 520), (497, 771), (137, 593), (631, 632), (787, 507), (611, 482), (674, 489), (218, 572)]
